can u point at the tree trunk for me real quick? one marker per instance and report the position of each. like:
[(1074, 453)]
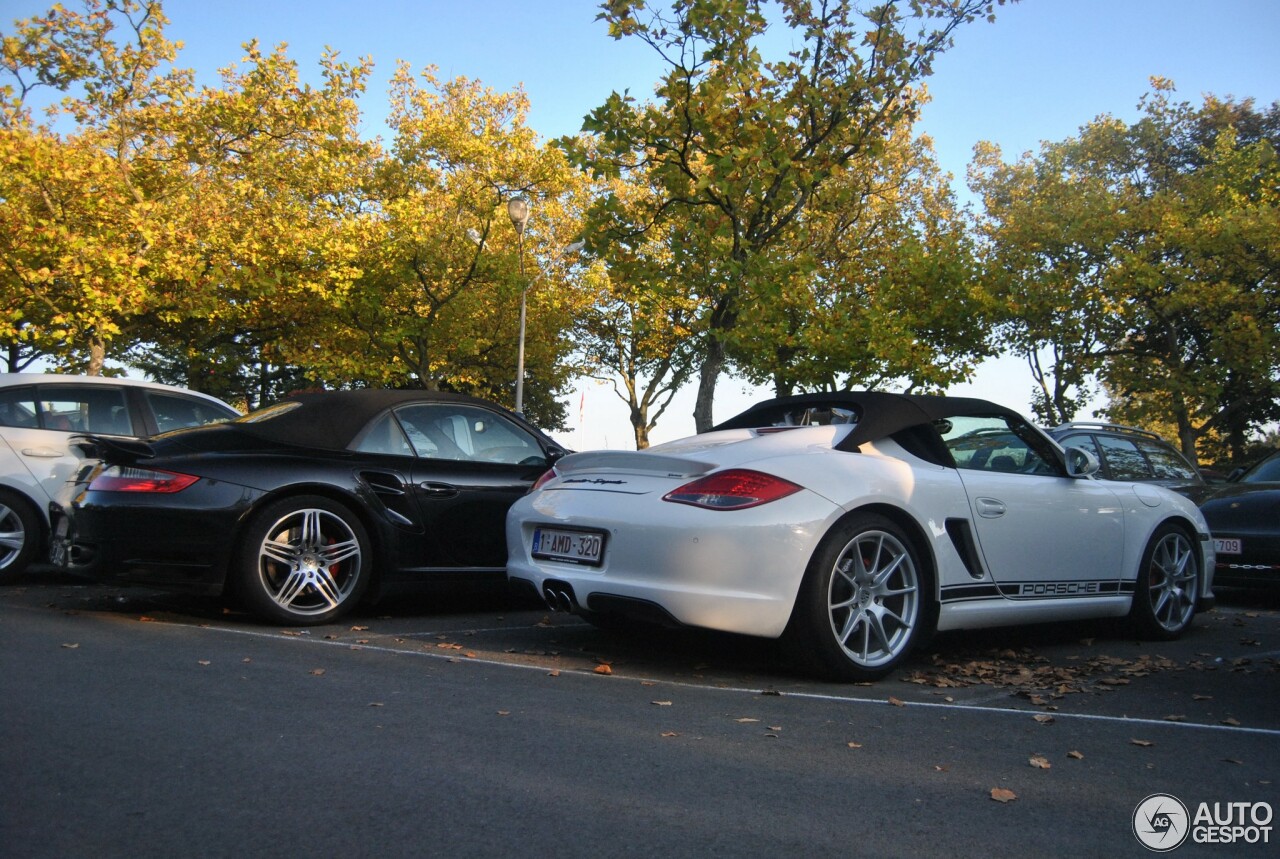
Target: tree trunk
[(712, 366), (97, 355), (640, 425)]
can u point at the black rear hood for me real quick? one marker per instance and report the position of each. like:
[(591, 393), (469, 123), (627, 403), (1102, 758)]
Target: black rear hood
[(213, 438)]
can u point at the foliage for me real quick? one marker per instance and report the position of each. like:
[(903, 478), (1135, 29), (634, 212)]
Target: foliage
[(641, 332), (882, 290), (739, 145), (1145, 256)]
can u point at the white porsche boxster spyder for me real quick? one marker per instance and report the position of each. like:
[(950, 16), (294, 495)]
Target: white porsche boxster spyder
[(853, 526)]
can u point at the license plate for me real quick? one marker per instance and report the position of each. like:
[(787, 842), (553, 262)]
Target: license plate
[(574, 547), (1230, 546)]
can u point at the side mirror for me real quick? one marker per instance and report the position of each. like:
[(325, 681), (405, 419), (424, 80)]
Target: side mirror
[(1081, 463)]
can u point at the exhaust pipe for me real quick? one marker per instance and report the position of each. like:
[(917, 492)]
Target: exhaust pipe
[(559, 596)]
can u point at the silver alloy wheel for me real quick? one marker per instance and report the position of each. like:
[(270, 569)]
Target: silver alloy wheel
[(873, 599), (309, 561), (1172, 581), (13, 535)]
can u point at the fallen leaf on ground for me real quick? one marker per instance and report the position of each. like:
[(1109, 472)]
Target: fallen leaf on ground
[(70, 646), (1235, 723), (1175, 718), (854, 745), (1143, 743), (204, 662), (1043, 719), (317, 671), (661, 703), (1077, 755), (554, 672), (1040, 762), (1000, 794), (746, 719), (504, 712), (603, 669), (670, 734), (896, 702)]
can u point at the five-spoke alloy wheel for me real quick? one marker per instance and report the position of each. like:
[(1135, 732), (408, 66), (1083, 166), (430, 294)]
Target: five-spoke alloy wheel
[(304, 561)]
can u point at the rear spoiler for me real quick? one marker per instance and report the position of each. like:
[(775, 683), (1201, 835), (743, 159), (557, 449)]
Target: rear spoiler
[(107, 447)]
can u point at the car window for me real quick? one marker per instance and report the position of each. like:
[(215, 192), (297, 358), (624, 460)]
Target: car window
[(1167, 463), (384, 436), (1124, 460), (1083, 442), (991, 443), (18, 408), (1267, 472), (461, 432), (84, 408), (174, 411)]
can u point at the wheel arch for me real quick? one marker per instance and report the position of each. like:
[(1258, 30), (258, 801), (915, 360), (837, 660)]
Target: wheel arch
[(915, 532)]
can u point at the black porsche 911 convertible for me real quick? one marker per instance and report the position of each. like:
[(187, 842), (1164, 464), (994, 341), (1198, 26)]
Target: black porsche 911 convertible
[(304, 506)]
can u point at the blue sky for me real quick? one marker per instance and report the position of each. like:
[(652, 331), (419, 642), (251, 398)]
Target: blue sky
[(1042, 70)]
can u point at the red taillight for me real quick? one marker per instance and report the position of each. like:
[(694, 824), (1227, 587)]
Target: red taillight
[(120, 478), (732, 490), (549, 475)]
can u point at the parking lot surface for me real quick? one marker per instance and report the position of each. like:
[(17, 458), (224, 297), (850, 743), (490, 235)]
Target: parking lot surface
[(141, 723)]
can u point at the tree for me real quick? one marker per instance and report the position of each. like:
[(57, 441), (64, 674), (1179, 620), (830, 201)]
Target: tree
[(882, 289), (1050, 225), (1146, 255), (436, 301), (88, 215), (741, 145)]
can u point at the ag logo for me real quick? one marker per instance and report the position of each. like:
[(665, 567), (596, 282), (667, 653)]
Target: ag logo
[(1161, 822)]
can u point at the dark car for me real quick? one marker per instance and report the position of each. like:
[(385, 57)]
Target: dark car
[(1128, 453), (301, 508), (1244, 518)]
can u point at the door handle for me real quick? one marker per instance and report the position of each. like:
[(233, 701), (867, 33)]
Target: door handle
[(990, 508), (438, 490), (43, 452)]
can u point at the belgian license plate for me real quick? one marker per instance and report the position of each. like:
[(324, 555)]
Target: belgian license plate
[(1228, 546), (575, 547)]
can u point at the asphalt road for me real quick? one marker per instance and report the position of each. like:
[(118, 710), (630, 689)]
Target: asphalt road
[(139, 724)]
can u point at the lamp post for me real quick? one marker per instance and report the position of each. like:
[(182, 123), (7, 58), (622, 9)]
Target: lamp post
[(518, 212)]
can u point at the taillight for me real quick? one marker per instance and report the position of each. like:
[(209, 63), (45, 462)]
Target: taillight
[(734, 489), (120, 478), (547, 476)]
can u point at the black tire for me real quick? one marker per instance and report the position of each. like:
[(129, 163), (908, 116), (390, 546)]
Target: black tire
[(303, 561), (864, 603), (21, 534), (1168, 585)]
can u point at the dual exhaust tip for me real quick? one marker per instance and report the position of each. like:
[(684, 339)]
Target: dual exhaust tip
[(559, 596)]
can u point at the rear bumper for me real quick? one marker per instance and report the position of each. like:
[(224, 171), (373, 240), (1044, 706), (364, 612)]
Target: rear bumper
[(181, 548)]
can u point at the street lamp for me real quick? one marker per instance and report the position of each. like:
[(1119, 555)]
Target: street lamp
[(518, 212)]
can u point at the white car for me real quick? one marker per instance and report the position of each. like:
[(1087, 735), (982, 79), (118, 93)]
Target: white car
[(38, 415), (853, 526)]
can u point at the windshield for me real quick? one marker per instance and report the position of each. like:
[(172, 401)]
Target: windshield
[(1267, 471)]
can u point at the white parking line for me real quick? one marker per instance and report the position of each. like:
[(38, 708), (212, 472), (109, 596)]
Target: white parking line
[(812, 696)]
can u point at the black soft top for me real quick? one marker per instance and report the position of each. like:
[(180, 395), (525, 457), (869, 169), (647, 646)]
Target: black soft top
[(878, 414), (330, 420)]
